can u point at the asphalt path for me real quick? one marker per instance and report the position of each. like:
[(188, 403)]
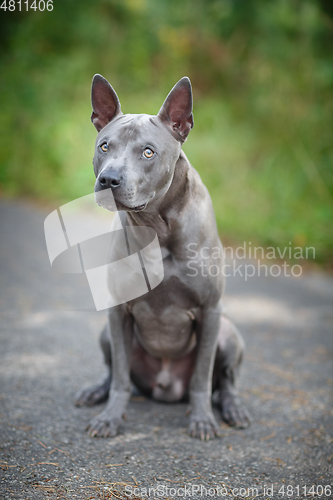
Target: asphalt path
[(49, 350)]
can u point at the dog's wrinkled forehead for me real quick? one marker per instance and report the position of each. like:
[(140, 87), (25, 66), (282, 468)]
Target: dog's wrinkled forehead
[(131, 128)]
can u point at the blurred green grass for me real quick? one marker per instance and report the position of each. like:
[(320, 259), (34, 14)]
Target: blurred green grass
[(262, 74)]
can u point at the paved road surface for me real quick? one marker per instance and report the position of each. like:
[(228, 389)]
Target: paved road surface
[(48, 353)]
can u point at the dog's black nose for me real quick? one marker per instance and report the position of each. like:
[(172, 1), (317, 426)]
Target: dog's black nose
[(110, 178)]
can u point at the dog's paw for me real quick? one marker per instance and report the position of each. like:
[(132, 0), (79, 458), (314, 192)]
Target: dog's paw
[(103, 426), (203, 429), (234, 413), (95, 394), (107, 423)]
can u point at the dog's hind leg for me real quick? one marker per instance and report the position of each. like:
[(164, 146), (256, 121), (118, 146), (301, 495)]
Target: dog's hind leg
[(227, 362), (99, 392)]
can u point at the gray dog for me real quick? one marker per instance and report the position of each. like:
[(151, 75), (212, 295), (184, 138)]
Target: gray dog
[(173, 342)]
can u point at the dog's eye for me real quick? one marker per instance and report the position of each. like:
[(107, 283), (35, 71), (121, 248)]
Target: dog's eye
[(148, 153), (104, 147)]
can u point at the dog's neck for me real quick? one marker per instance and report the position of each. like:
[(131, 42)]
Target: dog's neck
[(162, 215)]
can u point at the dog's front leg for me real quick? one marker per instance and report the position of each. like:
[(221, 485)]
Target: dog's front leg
[(121, 329), (202, 421)]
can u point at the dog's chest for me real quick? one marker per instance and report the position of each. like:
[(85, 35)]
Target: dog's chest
[(164, 319)]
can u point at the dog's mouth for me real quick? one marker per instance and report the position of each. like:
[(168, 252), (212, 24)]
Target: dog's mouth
[(139, 208), (105, 199)]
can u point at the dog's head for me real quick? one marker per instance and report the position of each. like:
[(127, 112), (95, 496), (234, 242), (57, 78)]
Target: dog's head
[(135, 155)]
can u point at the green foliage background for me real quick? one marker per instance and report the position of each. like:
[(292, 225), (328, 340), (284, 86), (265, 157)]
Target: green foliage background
[(262, 75)]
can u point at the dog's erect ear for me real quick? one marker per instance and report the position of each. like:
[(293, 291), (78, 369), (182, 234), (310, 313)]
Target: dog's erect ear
[(105, 102), (176, 111)]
